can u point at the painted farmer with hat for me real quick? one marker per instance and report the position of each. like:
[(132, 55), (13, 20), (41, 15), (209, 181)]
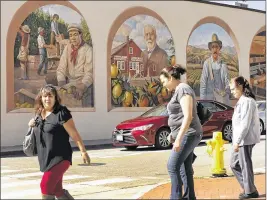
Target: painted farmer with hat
[(24, 32), (42, 51), (214, 81), (76, 67)]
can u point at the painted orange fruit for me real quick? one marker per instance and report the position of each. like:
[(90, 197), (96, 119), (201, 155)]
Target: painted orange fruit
[(143, 101)]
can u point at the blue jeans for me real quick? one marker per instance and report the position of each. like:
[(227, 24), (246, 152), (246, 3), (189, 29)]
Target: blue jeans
[(43, 61), (180, 166)]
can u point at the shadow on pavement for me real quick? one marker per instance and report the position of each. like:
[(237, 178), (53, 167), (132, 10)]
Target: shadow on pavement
[(92, 164)]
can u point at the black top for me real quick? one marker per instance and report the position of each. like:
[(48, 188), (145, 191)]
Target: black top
[(52, 139)]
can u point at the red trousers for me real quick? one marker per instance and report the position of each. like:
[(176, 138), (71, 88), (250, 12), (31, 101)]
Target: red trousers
[(51, 183)]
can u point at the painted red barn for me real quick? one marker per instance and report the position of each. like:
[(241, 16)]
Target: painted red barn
[(127, 57)]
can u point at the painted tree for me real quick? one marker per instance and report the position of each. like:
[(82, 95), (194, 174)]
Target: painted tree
[(86, 34), (171, 43), (36, 19)]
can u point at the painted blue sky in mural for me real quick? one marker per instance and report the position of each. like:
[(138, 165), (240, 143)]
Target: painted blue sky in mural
[(201, 36), (64, 12), (134, 28)]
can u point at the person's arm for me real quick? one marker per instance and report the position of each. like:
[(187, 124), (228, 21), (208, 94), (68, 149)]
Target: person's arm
[(88, 68), (226, 79), (73, 133), (247, 110), (87, 80), (186, 102), (187, 108), (62, 67), (41, 43), (203, 81)]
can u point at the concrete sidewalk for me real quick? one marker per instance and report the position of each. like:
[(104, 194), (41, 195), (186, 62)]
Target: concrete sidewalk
[(211, 188), (89, 144)]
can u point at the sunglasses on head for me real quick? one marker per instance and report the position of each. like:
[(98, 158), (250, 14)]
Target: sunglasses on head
[(48, 86)]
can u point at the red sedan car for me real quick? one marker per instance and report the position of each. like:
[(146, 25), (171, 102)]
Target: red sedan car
[(151, 128)]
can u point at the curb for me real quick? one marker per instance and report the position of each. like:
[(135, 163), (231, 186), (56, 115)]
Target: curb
[(139, 195)]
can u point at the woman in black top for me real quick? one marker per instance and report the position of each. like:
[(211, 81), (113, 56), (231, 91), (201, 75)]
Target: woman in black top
[(186, 132), (53, 126)]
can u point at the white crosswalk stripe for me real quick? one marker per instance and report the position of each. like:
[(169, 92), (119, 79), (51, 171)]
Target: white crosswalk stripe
[(31, 182), (33, 192), (16, 186), (22, 175), (9, 170)]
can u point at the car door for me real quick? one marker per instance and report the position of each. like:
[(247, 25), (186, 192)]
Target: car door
[(215, 115)]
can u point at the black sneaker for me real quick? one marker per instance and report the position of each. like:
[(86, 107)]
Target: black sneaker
[(241, 194), (248, 196)]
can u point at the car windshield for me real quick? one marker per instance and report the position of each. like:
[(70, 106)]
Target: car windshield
[(156, 111), (261, 106)]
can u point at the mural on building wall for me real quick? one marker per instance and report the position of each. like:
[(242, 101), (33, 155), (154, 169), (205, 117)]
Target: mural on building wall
[(54, 46), (258, 65), (209, 79), (141, 48)]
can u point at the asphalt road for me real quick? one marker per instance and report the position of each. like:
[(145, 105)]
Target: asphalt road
[(114, 172)]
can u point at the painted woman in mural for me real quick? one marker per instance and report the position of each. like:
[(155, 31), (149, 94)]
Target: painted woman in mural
[(214, 81), (141, 48), (57, 35), (211, 62)]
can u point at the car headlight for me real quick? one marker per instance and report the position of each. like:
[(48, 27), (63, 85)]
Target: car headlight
[(142, 128)]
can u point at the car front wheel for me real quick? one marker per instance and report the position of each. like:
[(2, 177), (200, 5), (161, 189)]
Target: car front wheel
[(227, 132), (261, 127), (161, 139)]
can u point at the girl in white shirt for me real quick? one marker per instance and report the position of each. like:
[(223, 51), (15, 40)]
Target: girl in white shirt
[(246, 133)]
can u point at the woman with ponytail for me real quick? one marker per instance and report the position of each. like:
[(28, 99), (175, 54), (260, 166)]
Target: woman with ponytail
[(246, 133), (186, 132)]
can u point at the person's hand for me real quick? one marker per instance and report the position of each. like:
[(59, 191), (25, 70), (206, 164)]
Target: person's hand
[(236, 147), (176, 146), (170, 139), (86, 158), (78, 93), (31, 123)]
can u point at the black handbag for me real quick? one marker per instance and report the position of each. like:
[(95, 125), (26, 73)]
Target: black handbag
[(29, 143)]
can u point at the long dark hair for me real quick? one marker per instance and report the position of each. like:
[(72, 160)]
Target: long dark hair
[(175, 72), (247, 91), (46, 90)]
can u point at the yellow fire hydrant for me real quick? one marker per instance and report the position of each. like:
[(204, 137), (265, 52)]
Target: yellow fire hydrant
[(216, 150)]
